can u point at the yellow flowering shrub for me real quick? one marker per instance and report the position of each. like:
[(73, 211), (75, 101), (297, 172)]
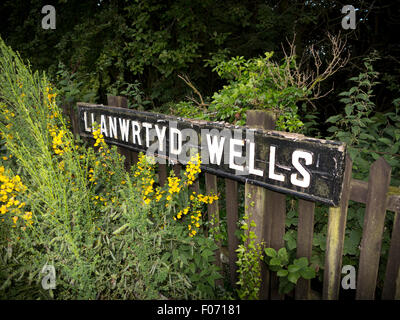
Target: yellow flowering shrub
[(78, 209), (10, 205), (171, 196)]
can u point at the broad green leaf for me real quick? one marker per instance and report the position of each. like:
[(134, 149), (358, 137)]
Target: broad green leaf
[(301, 262), (293, 268), (275, 262), (293, 277), (282, 273), (270, 252), (307, 273), (283, 255)]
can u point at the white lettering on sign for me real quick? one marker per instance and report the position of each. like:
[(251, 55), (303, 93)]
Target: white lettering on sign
[(85, 121), (147, 126), (160, 137), (136, 132), (233, 154), (112, 122), (252, 170), (305, 182), (272, 174), (103, 126), (215, 144), (175, 148), (285, 163), (215, 149), (124, 129)]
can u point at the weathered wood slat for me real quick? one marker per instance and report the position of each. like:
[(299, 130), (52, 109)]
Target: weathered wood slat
[(393, 263), (122, 102), (162, 174), (213, 214), (276, 208), (335, 239), (397, 297), (374, 220), (256, 200), (232, 216), (177, 169), (359, 190), (305, 232)]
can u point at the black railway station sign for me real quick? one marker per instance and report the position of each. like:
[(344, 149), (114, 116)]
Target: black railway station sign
[(290, 163)]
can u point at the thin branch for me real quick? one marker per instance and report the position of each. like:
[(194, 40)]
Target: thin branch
[(190, 84)]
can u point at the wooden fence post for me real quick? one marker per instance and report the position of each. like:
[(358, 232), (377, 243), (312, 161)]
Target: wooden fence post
[(305, 233), (213, 214), (232, 216), (257, 200), (335, 239), (393, 263), (374, 221), (130, 156)]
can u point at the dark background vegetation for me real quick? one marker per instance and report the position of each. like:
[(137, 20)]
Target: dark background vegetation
[(109, 44)]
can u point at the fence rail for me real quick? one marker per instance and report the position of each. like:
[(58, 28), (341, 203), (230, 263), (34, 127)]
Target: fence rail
[(268, 209)]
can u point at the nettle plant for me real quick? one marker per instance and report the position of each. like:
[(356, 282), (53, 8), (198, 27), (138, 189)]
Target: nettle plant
[(369, 134)]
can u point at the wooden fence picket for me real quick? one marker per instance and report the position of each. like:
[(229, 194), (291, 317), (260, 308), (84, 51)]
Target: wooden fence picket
[(276, 208), (374, 219), (393, 263), (305, 232), (131, 157), (256, 200), (232, 217), (335, 239), (213, 214)]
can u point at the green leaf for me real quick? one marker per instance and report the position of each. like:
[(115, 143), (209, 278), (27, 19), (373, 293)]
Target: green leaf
[(385, 141), (270, 252), (334, 119), (293, 268), (283, 255), (307, 273), (348, 109), (301, 262), (282, 273), (293, 277), (275, 262)]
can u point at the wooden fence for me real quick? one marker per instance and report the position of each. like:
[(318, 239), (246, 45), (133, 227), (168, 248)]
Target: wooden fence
[(268, 209)]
